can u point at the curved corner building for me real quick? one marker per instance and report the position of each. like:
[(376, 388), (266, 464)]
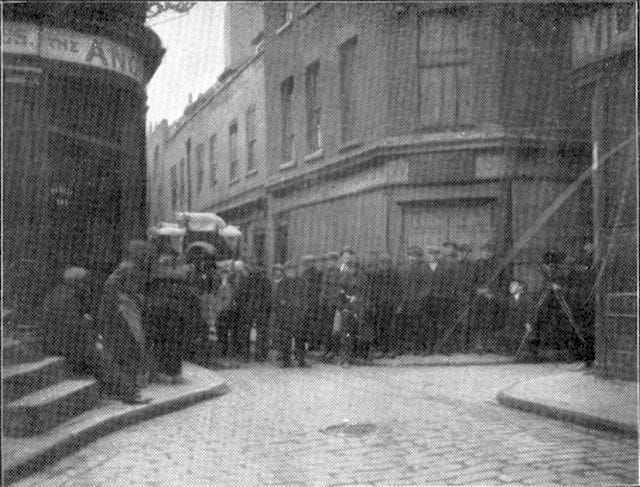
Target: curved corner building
[(74, 106)]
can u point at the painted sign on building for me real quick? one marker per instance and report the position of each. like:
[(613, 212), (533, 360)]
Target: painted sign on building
[(73, 47)]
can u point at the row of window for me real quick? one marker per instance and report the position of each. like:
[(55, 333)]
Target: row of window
[(178, 172), (313, 105), (444, 83), (444, 100)]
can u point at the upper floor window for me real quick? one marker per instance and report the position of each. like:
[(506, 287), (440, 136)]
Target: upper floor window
[(233, 152), (213, 166), (286, 99), (251, 140), (444, 69), (347, 89), (174, 188), (199, 166), (182, 180), (314, 140)]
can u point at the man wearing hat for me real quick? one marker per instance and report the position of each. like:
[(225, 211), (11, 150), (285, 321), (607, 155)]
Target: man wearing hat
[(280, 310), (436, 297), (411, 322), (464, 290), (329, 291), (351, 305), (292, 325), (381, 295), (484, 310)]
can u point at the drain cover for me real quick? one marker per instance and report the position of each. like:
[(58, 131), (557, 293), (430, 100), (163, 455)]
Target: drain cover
[(350, 429)]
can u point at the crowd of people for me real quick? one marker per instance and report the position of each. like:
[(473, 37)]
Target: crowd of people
[(438, 301), (159, 307)]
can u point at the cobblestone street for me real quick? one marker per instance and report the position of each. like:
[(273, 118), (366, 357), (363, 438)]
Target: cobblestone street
[(433, 425)]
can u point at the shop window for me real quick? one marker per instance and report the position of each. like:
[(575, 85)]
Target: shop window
[(251, 140), (199, 167), (444, 70), (286, 98), (347, 89), (213, 166), (233, 152), (314, 140)]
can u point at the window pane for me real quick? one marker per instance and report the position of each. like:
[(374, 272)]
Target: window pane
[(212, 161), (347, 92), (448, 33), (199, 166), (431, 95), (448, 116), (465, 94), (313, 107), (463, 33), (286, 94)]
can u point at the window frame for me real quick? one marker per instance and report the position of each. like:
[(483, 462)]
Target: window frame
[(234, 162), (287, 140), (251, 140), (199, 155), (453, 64), (213, 165), (313, 108), (173, 175), (348, 90)]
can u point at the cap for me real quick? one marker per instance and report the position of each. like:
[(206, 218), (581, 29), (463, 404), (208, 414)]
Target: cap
[(306, 259), (464, 248), (277, 266), (333, 255), (450, 244), (433, 250)]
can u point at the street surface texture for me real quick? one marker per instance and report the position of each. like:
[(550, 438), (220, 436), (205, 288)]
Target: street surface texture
[(419, 425)]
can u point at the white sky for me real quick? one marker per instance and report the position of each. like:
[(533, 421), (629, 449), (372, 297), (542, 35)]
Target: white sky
[(193, 60)]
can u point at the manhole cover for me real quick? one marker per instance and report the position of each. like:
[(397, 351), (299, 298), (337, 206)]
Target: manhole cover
[(350, 429)]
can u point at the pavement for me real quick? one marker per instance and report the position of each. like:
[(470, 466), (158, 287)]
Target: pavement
[(580, 397), (329, 425), (23, 456)]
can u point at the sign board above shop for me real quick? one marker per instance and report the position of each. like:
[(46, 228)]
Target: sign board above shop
[(72, 47)]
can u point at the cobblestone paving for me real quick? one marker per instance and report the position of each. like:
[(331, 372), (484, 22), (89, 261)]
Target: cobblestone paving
[(433, 426)]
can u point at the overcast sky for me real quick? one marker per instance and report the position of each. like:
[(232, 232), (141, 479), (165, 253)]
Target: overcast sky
[(193, 60)]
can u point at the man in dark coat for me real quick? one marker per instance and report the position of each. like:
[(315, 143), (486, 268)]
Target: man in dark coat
[(554, 334), (447, 323), (329, 292), (258, 309), (484, 306), (173, 314), (381, 293), (121, 308), (464, 293), (436, 296), (291, 322), (280, 313), (411, 332), (581, 299), (311, 279), (352, 306), (70, 331)]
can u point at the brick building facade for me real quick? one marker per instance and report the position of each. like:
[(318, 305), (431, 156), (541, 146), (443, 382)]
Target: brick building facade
[(437, 122)]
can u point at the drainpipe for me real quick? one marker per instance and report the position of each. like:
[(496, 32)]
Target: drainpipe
[(188, 150)]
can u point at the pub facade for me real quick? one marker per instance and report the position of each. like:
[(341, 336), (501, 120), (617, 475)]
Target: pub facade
[(74, 105)]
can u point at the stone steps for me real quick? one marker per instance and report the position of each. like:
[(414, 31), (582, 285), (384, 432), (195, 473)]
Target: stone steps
[(21, 379), (15, 351), (46, 408)]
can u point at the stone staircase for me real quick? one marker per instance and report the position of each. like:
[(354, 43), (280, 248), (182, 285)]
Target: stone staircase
[(39, 391)]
